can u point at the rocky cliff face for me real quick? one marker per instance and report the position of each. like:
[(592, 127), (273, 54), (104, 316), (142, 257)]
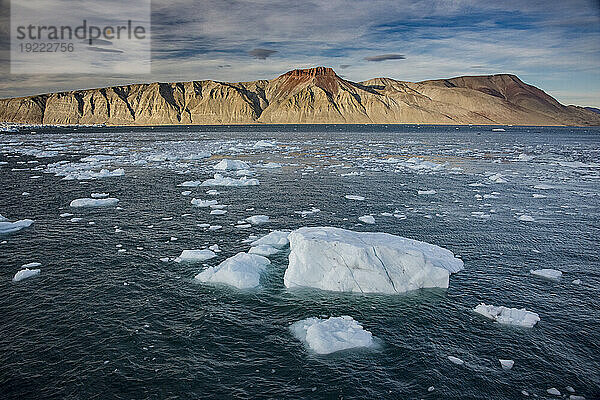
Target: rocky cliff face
[(316, 95)]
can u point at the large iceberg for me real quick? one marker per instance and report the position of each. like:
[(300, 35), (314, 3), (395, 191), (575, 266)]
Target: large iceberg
[(325, 336), (346, 261), (89, 202), (9, 227), (242, 271), (508, 316)]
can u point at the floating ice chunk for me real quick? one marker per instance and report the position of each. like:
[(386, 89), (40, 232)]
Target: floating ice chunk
[(218, 212), (508, 316), (277, 239), (341, 260), (263, 143), (577, 282), (195, 256), (543, 186), (203, 203), (226, 164), (456, 360), (525, 157), (191, 184), (7, 227), (325, 336), (539, 196), (264, 250), (270, 165), (89, 202), (82, 175), (215, 248), (547, 273), (367, 219), (64, 215), (526, 218), (570, 389), (426, 192), (354, 197), (497, 178), (215, 227), (242, 271), (212, 192), (99, 195), (575, 397), (430, 389), (26, 272), (553, 391), (575, 164), (258, 219), (186, 192), (220, 180), (506, 364)]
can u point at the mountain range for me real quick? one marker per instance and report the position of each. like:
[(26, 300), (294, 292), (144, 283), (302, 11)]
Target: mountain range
[(304, 96)]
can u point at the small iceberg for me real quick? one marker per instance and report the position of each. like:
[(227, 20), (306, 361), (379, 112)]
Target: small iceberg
[(226, 164), (354, 197), (220, 180), (7, 227), (89, 202), (203, 203), (506, 364), (277, 239), (526, 218), (340, 260), (455, 360), (426, 192), (367, 219), (258, 219), (195, 256), (325, 336), (26, 272), (242, 271), (547, 273), (264, 250), (508, 316)]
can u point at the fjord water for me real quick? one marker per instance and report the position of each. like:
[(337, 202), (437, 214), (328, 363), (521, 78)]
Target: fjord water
[(102, 323)]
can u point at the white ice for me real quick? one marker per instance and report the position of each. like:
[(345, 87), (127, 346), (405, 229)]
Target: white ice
[(325, 336), (89, 202), (526, 218), (264, 250), (258, 219), (547, 273), (195, 256), (354, 197), (426, 192), (277, 239), (341, 260), (226, 164), (506, 364), (203, 203), (367, 219), (456, 360), (26, 272), (99, 195), (508, 316), (9, 227), (242, 271), (220, 180)]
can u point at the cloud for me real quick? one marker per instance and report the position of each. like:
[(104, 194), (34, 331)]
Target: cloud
[(344, 66), (384, 57), (261, 54)]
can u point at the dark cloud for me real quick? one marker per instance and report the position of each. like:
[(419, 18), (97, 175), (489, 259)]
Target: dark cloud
[(478, 66), (383, 57), (344, 66), (261, 54)]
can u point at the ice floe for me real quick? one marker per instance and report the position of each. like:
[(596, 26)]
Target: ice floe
[(220, 180), (354, 197), (26, 272), (547, 273), (7, 227), (506, 364), (258, 219), (325, 336), (89, 202), (526, 218), (264, 250), (277, 239), (426, 192), (195, 255), (242, 271), (367, 219), (341, 260), (227, 164), (203, 203), (456, 360), (508, 316)]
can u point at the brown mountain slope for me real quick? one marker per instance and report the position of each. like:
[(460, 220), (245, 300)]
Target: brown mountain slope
[(316, 95)]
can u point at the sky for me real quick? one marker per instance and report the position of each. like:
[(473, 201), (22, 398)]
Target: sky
[(554, 45)]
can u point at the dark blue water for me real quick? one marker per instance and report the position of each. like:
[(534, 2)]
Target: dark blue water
[(77, 331)]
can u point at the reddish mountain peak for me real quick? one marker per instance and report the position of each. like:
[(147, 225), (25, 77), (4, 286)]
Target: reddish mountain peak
[(311, 72)]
